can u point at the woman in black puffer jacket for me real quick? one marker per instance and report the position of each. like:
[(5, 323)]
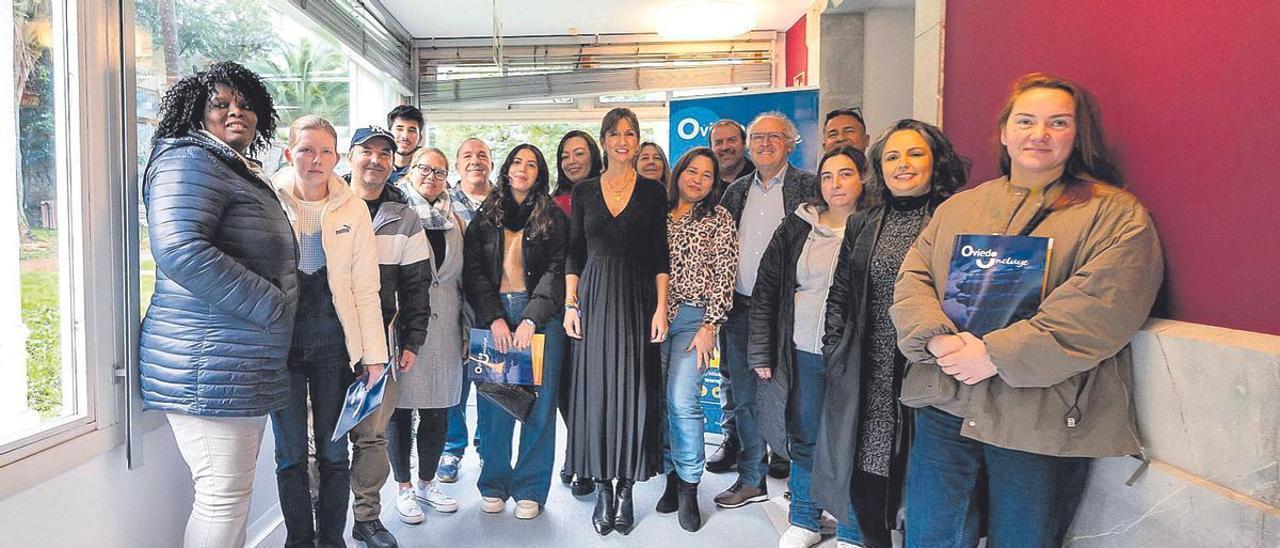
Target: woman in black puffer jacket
[(216, 336)]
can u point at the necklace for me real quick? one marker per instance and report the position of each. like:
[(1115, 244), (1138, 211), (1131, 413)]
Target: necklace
[(617, 193)]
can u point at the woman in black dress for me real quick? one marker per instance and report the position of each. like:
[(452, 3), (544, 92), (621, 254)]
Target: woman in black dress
[(615, 305)]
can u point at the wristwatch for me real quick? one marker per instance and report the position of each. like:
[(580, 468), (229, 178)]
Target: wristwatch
[(530, 322)]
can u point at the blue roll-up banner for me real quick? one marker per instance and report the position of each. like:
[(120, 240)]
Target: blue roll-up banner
[(691, 120)]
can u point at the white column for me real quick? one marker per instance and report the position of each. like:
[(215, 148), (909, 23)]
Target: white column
[(14, 414)]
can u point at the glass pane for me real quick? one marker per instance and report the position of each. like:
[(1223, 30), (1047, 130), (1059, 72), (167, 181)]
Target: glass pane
[(35, 313), (306, 72)]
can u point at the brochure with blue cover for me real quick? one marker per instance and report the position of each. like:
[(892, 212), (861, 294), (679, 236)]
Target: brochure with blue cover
[(359, 404), (995, 280), (486, 364)]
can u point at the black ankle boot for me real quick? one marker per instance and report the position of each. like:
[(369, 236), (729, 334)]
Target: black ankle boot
[(581, 487), (606, 507), (566, 476), (668, 503), (690, 515), (626, 519)]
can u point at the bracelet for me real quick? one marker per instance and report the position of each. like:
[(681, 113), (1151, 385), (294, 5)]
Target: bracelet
[(570, 305)]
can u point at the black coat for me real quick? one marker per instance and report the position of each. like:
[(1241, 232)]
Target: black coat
[(543, 260), (836, 454), (772, 319)]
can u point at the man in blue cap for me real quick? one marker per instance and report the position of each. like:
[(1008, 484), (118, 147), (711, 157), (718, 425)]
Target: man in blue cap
[(405, 275)]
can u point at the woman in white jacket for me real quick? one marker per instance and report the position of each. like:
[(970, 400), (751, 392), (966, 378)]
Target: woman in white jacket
[(339, 324)]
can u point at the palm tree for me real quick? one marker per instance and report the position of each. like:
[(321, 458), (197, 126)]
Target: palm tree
[(308, 79)]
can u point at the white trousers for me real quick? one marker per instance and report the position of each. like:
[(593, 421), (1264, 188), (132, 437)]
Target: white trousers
[(222, 453)]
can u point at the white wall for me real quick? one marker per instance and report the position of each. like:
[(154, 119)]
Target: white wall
[(103, 504), (888, 58)]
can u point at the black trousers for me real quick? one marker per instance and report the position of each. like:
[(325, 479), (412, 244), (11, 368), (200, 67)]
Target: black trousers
[(432, 426), (868, 498)]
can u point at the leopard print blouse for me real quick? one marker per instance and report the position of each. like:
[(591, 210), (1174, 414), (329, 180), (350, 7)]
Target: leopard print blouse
[(704, 263)]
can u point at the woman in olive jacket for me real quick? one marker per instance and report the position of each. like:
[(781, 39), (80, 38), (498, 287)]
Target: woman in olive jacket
[(1021, 411), (860, 458)]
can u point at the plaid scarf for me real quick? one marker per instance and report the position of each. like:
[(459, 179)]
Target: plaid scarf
[(435, 216)]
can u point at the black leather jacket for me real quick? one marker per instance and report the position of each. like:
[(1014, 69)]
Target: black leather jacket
[(543, 260)]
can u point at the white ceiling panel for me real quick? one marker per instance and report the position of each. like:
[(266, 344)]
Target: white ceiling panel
[(453, 18)]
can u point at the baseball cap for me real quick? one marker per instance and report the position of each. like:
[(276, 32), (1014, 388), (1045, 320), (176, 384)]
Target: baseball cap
[(364, 134)]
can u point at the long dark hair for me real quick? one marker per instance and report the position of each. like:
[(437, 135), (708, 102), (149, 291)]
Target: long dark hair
[(950, 170), (1092, 162), (705, 206), (182, 107), (610, 122), (859, 161), (496, 203), (563, 184)]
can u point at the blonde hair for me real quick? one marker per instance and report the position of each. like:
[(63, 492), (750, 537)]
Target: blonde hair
[(311, 121), (422, 153)]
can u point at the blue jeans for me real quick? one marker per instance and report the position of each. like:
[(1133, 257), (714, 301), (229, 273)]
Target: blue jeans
[(685, 453), (455, 441), (530, 479), (325, 375), (1031, 498), (804, 405), (736, 331)]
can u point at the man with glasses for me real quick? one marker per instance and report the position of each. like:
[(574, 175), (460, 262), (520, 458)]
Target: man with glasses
[(844, 127), (473, 162), (406, 123), (758, 202)]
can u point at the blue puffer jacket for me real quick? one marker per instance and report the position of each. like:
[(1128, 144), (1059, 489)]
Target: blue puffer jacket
[(216, 336)]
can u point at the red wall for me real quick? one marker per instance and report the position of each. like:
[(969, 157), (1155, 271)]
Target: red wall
[(1190, 96), (797, 54)]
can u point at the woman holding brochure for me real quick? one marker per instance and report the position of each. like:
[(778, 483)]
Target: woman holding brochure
[(860, 459), (1020, 411), (513, 277), (339, 324)]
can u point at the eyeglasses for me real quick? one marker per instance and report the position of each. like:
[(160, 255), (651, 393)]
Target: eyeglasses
[(432, 172), (773, 136)]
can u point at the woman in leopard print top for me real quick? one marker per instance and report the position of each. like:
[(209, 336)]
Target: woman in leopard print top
[(704, 256)]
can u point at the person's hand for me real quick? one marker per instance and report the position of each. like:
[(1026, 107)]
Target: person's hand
[(942, 345), (373, 372), (765, 373), (407, 359), (971, 364), (501, 335), (658, 326), (572, 323), (702, 345), (523, 336)]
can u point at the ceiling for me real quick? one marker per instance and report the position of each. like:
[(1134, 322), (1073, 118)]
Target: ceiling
[(447, 18)]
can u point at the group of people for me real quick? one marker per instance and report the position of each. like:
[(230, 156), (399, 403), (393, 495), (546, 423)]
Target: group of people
[(821, 290)]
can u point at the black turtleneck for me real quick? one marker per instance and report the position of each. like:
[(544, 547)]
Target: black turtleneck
[(908, 203)]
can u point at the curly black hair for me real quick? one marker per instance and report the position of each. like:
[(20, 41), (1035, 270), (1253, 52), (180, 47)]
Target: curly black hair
[(183, 105), (950, 169)]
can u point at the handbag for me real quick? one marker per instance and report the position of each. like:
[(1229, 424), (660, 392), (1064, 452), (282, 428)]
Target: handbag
[(516, 399)]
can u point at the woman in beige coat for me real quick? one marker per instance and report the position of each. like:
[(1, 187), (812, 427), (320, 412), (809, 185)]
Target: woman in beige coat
[(435, 383), (1021, 411)]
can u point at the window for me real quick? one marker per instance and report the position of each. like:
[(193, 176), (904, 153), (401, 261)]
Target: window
[(41, 376)]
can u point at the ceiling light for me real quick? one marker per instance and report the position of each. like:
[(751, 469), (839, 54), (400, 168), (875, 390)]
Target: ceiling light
[(706, 19)]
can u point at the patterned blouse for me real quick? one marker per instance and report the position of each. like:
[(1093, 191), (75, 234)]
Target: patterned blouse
[(704, 263)]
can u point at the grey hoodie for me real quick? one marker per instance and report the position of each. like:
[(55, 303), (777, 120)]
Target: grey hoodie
[(814, 271)]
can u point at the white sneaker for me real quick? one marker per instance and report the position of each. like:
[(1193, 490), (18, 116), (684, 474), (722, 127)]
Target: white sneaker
[(408, 508), (447, 468), (798, 537), (430, 493), (527, 509), (843, 544), (492, 505)]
